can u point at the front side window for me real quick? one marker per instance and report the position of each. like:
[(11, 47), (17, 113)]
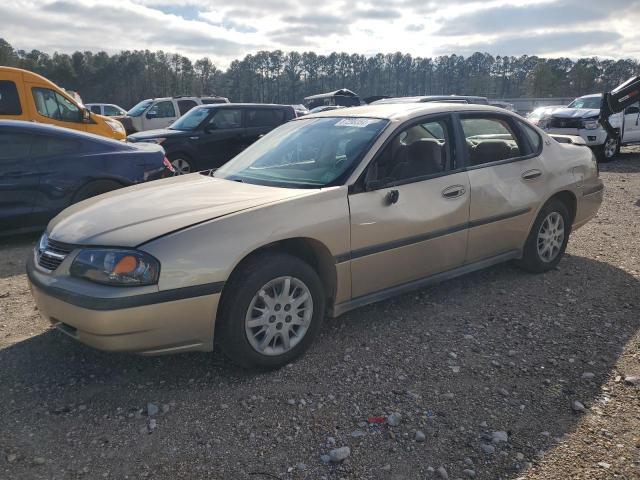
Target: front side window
[(140, 108), (416, 152), (9, 100), (489, 139), (226, 118), (164, 109), (14, 146), (264, 117), (52, 105), (309, 153)]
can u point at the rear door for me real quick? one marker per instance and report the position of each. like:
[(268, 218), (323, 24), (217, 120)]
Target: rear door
[(19, 180), (185, 105), (411, 220), (260, 121), (632, 123), (507, 180)]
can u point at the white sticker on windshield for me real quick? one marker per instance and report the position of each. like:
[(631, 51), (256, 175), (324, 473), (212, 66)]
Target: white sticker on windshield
[(355, 122)]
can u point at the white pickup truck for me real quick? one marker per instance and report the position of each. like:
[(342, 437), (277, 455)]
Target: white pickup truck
[(580, 117)]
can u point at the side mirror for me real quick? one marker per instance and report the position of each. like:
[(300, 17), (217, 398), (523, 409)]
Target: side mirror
[(85, 115), (151, 115)]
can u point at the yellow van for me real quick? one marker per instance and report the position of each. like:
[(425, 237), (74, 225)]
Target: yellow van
[(28, 96)]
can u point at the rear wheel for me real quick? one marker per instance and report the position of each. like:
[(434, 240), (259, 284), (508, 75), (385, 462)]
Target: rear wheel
[(548, 238), (95, 188), (272, 310), (182, 163)]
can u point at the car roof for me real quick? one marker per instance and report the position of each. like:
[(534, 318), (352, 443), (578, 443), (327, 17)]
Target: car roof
[(253, 105), (47, 129), (406, 111), (593, 95)]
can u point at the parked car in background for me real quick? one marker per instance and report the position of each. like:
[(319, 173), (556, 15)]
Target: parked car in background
[(154, 113), (435, 98), (324, 214), (580, 118), (325, 108), (44, 169), (342, 97), (500, 104), (300, 110), (106, 109), (27, 96), (541, 115), (211, 135)]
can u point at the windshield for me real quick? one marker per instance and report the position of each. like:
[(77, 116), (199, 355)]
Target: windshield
[(139, 108), (586, 102), (191, 120), (311, 153)]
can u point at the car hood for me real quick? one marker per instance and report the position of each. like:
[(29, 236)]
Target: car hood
[(135, 215), (159, 133), (576, 113)]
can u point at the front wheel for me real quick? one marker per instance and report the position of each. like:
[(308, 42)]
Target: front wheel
[(272, 309), (548, 238), (608, 150), (182, 164)]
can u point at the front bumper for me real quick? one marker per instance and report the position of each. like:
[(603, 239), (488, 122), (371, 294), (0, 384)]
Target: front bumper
[(592, 138), (150, 324)]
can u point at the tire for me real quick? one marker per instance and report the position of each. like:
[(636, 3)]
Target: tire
[(236, 335), (532, 259), (182, 163), (608, 151), (95, 188)]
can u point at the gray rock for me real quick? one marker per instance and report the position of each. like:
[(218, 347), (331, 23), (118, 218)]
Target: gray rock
[(442, 473), (504, 392), (325, 458), (519, 456), (487, 449), (469, 473), (165, 408), (578, 406), (386, 468), (331, 441), (633, 380), (453, 355), (38, 461), (152, 425), (358, 434), (301, 467), (394, 419), (420, 436), (338, 455), (499, 436), (468, 461), (588, 376), (12, 457), (152, 409), (291, 401)]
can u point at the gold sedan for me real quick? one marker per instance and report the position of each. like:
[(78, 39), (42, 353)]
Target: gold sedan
[(324, 214)]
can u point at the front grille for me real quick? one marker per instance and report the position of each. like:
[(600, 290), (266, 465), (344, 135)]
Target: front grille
[(53, 254), (556, 122)]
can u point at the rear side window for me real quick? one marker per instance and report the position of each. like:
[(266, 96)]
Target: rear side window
[(9, 100), (533, 137), (96, 109), (46, 146), (489, 140), (185, 105), (14, 146), (51, 104), (264, 117)]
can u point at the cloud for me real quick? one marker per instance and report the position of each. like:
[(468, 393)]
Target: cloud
[(414, 27)]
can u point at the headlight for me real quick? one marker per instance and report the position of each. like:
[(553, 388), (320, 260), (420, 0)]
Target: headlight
[(115, 125), (116, 267), (591, 124)]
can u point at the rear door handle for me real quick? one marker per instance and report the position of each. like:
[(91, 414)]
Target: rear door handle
[(531, 174), (454, 191)]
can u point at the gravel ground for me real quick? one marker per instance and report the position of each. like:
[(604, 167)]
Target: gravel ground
[(477, 377)]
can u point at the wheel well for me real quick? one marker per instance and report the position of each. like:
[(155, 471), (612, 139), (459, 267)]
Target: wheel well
[(569, 199), (311, 251)]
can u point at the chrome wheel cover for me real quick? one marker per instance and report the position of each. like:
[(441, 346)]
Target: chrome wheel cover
[(181, 165), (279, 316), (550, 237), (610, 148)]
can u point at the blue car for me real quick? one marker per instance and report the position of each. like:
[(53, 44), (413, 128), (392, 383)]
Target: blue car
[(44, 169)]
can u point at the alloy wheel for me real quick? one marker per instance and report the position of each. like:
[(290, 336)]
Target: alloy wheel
[(279, 316), (550, 237), (610, 147), (181, 166)]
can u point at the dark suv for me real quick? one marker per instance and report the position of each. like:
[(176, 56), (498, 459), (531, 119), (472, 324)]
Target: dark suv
[(210, 135)]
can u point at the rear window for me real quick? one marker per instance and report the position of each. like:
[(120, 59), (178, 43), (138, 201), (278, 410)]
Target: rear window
[(9, 101)]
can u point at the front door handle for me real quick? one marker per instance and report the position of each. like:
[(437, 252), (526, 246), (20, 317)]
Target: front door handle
[(454, 191), (531, 174)]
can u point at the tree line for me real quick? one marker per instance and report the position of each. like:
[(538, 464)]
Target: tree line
[(275, 76)]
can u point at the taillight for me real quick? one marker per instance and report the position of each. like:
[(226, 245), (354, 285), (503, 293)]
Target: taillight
[(167, 164)]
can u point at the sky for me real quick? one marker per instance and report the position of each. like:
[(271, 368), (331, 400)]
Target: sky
[(226, 30)]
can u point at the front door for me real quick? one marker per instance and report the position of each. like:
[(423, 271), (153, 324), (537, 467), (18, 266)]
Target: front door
[(52, 107), (632, 124), (19, 181), (160, 115), (411, 220), (221, 139), (507, 179)]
